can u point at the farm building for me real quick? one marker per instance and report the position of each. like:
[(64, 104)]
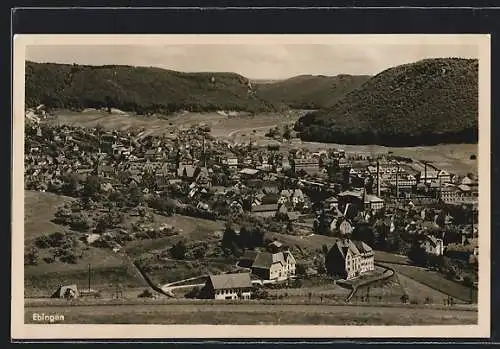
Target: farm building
[(66, 291), (229, 286), (268, 210)]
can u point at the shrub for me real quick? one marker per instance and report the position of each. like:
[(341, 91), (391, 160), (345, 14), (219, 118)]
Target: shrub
[(146, 294), (31, 257)]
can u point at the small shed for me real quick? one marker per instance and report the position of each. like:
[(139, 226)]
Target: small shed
[(66, 291)]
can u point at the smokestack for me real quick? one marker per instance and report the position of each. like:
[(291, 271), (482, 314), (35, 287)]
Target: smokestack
[(378, 179), (425, 172), (204, 154), (397, 183)]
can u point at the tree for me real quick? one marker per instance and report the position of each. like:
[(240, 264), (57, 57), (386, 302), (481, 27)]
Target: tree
[(70, 185), (300, 269), (118, 198), (287, 134), (79, 222), (467, 281), (135, 196), (404, 298), (109, 220), (324, 249), (417, 254), (322, 225), (364, 232), (178, 251), (32, 256), (92, 187)]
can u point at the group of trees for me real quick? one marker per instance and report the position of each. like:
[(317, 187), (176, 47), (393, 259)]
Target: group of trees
[(429, 102), (63, 246), (286, 133), (310, 91), (249, 237), (189, 251), (138, 89), (77, 221)]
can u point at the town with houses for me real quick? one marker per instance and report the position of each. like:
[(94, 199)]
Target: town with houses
[(367, 204)]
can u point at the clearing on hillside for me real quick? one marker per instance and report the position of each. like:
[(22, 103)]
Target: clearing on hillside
[(39, 210)]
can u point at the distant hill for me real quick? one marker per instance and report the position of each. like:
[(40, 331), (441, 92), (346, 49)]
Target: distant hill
[(139, 89), (428, 102), (310, 91)]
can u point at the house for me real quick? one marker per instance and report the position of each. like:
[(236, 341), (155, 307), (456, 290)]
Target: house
[(402, 180), (444, 176), (354, 197), (230, 160), (187, 172), (108, 143), (297, 197), (461, 194), (310, 163), (433, 245), (331, 203), (429, 175), (346, 227), (343, 163), (202, 176), (274, 266), (348, 259), (248, 173), (150, 154), (270, 188), (373, 202), (275, 246), (229, 286), (268, 210)]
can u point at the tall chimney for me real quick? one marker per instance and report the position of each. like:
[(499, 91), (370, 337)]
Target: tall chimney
[(425, 172), (204, 154), (378, 179), (397, 183)]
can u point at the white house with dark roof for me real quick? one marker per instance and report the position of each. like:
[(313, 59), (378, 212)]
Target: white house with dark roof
[(229, 286), (373, 202), (348, 259), (271, 266), (433, 245)]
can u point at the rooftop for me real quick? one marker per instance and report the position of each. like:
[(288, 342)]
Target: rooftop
[(228, 281)]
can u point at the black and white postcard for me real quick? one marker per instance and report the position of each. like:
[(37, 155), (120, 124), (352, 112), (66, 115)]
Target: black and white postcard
[(254, 186)]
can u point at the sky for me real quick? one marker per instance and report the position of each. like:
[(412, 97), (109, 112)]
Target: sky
[(254, 61)]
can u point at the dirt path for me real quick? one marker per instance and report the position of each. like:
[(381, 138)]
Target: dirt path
[(250, 129)]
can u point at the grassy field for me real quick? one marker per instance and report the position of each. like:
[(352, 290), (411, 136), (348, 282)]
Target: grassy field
[(253, 314), (382, 256), (419, 292), (433, 280), (191, 228), (107, 268), (39, 210)]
